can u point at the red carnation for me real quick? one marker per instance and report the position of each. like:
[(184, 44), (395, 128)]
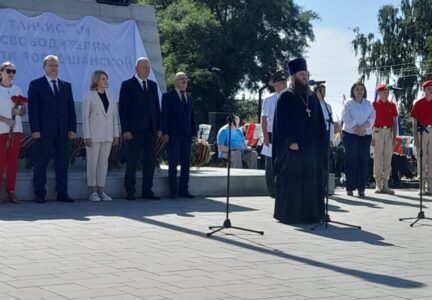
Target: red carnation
[(18, 101)]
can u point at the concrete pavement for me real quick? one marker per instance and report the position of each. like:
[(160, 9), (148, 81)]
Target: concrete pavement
[(158, 250)]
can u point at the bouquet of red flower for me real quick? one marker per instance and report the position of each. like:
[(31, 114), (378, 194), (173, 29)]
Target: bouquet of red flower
[(19, 102)]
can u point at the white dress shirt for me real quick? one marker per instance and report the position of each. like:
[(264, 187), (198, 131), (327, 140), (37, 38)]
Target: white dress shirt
[(327, 111), (356, 114), (268, 109), (142, 82), (52, 84)]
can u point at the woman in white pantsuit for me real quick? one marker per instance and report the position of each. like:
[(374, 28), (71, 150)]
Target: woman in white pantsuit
[(100, 129)]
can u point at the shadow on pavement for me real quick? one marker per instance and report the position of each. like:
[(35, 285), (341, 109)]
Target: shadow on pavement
[(349, 234), (82, 210), (386, 280), (143, 211)]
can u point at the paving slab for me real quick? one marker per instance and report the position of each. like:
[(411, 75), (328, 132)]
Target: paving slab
[(159, 250)]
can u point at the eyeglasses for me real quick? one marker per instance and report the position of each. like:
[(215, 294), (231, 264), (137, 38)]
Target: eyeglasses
[(9, 71)]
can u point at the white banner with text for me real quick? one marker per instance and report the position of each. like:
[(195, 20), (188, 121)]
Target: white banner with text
[(82, 45)]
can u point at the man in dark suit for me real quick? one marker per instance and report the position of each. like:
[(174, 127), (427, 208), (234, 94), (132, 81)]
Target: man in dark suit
[(139, 111), (179, 130), (52, 122)]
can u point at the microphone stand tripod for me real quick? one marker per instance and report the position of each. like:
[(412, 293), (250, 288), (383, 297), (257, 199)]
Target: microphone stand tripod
[(326, 219), (227, 222), (421, 216)]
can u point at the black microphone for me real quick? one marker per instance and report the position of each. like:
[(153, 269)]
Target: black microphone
[(215, 70), (396, 88), (316, 82)]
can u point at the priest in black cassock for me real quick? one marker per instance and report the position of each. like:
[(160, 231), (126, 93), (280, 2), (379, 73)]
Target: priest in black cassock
[(300, 146)]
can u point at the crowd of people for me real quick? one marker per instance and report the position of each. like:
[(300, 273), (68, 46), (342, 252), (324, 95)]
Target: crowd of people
[(52, 120), (298, 124)]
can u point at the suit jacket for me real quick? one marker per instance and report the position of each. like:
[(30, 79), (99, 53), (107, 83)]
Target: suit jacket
[(98, 124), (177, 118), (47, 114), (132, 106)]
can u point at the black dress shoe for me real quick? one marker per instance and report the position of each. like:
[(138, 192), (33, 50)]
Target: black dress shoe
[(130, 197), (40, 200), (150, 196), (173, 196), (65, 198), (186, 195)]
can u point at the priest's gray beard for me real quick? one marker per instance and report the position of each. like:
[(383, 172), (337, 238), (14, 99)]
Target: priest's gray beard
[(299, 87)]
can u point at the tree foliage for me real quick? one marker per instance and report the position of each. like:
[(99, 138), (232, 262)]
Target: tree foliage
[(247, 39), (404, 50)]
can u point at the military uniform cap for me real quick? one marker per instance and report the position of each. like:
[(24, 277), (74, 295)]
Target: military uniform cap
[(281, 75)]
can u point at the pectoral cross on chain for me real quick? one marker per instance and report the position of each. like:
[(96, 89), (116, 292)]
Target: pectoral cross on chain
[(308, 111)]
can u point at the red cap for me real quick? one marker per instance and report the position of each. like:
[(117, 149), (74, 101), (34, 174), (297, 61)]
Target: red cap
[(381, 87), (427, 83)]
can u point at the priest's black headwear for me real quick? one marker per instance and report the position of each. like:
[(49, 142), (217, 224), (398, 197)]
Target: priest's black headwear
[(297, 65)]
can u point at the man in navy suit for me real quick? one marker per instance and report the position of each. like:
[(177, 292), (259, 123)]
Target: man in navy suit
[(139, 111), (52, 122), (179, 130)]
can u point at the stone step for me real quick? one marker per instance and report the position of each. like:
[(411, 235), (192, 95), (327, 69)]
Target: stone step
[(204, 181)]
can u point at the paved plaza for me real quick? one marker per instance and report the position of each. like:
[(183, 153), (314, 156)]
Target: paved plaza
[(159, 250)]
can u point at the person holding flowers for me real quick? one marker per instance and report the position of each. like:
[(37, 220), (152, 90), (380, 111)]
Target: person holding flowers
[(12, 107)]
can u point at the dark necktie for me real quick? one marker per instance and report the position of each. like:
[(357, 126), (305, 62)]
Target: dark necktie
[(183, 97), (56, 90), (145, 86)]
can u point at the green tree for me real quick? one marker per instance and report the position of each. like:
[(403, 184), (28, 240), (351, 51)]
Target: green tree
[(404, 50), (248, 40)]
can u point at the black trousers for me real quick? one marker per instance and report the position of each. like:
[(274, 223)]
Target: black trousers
[(142, 148), (45, 148), (179, 152), (357, 154)]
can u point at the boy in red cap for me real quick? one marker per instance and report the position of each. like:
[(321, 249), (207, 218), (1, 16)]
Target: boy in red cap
[(383, 137), (422, 115)]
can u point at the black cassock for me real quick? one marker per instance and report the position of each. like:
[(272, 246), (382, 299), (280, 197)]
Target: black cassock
[(299, 174)]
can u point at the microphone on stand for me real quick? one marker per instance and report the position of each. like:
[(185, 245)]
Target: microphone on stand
[(316, 82)]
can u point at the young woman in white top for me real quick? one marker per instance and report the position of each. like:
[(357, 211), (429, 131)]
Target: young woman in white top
[(100, 127), (10, 128)]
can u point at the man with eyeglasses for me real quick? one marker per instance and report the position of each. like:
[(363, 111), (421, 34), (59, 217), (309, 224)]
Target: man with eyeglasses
[(52, 122), (179, 130)]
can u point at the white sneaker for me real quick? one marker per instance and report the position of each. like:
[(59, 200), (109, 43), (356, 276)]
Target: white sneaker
[(94, 197), (104, 197)]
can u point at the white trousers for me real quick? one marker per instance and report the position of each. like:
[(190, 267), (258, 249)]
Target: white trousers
[(97, 163)]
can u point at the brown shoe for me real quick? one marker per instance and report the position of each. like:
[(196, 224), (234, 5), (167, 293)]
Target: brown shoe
[(12, 197), (361, 195)]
